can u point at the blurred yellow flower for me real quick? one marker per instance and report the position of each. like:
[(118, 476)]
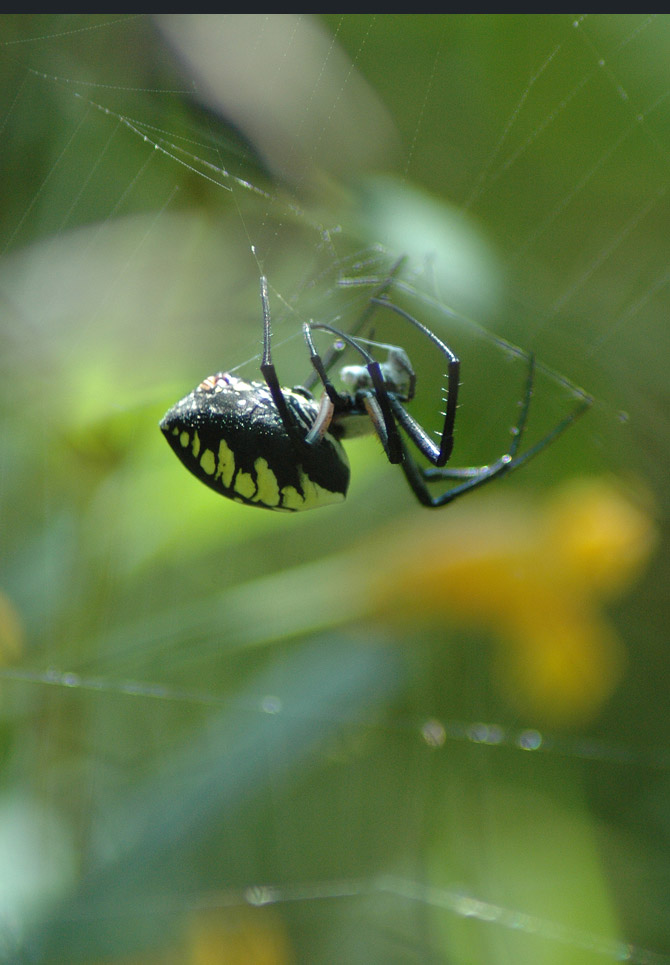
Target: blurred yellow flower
[(536, 577), (239, 937), (223, 935)]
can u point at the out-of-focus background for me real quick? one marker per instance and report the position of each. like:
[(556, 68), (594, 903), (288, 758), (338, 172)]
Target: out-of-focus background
[(370, 733)]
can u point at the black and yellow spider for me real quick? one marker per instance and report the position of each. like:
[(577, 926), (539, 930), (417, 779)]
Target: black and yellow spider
[(279, 448)]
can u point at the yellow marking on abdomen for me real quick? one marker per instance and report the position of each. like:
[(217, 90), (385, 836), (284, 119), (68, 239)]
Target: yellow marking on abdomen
[(226, 464), (314, 495), (207, 462), (268, 487), (291, 498), (245, 485)]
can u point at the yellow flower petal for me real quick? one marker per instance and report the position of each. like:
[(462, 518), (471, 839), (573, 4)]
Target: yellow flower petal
[(533, 577)]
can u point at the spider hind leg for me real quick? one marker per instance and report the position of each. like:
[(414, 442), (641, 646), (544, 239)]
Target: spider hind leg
[(473, 477)]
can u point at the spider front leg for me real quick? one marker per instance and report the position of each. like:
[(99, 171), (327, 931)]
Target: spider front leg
[(359, 324), (438, 455), (270, 375)]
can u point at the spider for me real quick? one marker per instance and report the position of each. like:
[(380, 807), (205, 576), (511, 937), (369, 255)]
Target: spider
[(279, 448)]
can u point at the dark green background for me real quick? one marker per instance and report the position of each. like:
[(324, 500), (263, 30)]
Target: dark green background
[(155, 774)]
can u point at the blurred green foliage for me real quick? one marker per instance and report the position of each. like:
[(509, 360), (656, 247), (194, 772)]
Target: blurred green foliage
[(218, 744)]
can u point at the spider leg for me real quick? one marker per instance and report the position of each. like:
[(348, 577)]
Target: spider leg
[(505, 462), (377, 405), (317, 362), (371, 307), (438, 455), (270, 374), (477, 476), (378, 408), (322, 422), (393, 449)]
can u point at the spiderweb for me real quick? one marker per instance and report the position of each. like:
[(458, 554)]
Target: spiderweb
[(346, 736)]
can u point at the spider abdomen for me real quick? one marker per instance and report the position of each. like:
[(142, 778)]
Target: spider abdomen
[(228, 433)]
